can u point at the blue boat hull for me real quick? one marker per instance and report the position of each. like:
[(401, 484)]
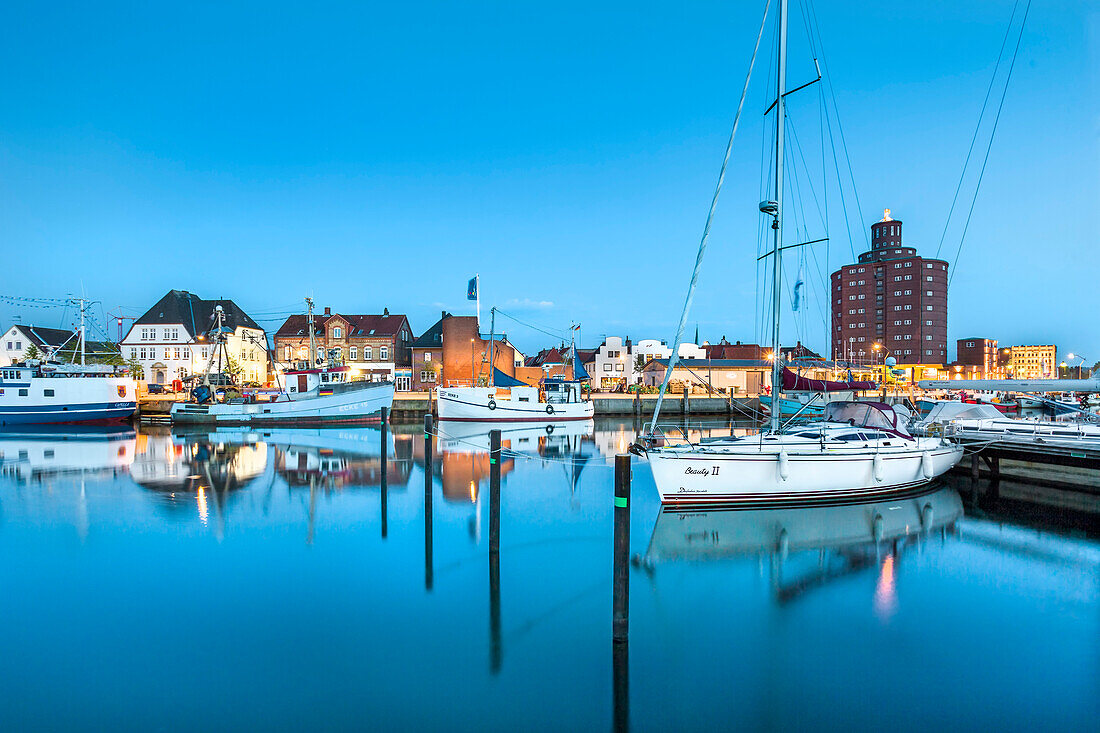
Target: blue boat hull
[(68, 414)]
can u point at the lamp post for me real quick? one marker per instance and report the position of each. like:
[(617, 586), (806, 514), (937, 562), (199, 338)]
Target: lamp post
[(1071, 356), (886, 361)]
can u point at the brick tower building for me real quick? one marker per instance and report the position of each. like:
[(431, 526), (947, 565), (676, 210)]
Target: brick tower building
[(892, 297)]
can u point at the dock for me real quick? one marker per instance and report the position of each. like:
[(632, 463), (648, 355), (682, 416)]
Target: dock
[(414, 405), (1076, 468)]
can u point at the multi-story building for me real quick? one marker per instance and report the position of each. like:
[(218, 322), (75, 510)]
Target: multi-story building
[(980, 358), (452, 353), (48, 341), (618, 360), (892, 297), (172, 339), (1034, 362), (375, 347)]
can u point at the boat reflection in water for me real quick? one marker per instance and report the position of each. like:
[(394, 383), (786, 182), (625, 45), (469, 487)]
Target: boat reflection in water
[(463, 448), (31, 454), (807, 546)]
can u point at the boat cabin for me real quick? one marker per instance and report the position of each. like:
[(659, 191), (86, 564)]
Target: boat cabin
[(307, 379), (561, 391)]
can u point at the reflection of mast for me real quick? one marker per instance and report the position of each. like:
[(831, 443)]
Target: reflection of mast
[(312, 508)]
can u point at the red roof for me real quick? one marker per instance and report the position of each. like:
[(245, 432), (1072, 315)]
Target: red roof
[(386, 325)]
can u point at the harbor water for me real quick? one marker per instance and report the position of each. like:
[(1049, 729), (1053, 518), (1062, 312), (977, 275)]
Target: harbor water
[(307, 579)]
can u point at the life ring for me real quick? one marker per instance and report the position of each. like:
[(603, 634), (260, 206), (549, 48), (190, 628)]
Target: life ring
[(549, 409), (549, 429), (492, 404)]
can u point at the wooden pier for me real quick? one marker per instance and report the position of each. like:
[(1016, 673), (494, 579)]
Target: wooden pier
[(1077, 468)]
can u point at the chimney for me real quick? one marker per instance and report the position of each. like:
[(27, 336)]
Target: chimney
[(385, 311), (328, 311)]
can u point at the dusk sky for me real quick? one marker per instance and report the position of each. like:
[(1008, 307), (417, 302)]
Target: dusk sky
[(378, 155)]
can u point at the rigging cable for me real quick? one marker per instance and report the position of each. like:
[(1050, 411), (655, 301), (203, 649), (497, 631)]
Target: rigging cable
[(706, 228), (992, 133), (977, 127)]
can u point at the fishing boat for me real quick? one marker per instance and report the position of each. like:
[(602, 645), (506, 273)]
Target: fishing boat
[(859, 449), (42, 391), (507, 399), (315, 393)]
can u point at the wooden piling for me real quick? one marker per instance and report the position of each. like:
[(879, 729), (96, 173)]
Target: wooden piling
[(384, 482), (429, 570), (975, 467), (684, 409), (495, 645), (620, 686), (621, 560)]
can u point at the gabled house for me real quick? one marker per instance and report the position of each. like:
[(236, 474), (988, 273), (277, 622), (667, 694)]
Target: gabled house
[(172, 340), (375, 347), (48, 341)]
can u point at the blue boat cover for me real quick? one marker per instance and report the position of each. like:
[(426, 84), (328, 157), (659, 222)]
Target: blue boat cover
[(578, 368), (500, 379)]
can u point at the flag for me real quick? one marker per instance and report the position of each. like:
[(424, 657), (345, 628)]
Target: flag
[(471, 289), (796, 296)]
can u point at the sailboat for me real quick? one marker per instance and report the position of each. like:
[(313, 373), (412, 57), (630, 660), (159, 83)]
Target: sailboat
[(859, 450)]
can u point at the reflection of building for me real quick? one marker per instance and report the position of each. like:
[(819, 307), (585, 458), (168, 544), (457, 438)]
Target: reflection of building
[(893, 297), (1034, 362), (170, 340), (300, 465)]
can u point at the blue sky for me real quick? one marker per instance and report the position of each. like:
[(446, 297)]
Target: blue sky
[(377, 155)]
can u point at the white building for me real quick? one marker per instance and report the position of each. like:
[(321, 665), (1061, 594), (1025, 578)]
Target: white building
[(19, 338), (618, 359), (171, 340)]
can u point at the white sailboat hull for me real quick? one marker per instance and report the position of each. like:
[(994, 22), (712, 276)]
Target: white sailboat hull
[(790, 473), (361, 402), (482, 404)]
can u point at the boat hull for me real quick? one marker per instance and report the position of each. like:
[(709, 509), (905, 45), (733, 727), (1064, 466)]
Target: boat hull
[(479, 404), (812, 475), (71, 400), (352, 406)]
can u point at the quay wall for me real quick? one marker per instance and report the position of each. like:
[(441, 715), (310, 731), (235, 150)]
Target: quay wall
[(418, 404)]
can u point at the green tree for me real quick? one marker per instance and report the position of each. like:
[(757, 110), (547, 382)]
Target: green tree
[(137, 371), (33, 353), (232, 368), (639, 362)]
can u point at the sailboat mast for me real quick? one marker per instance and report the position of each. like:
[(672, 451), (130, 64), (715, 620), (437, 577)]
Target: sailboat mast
[(492, 343), (777, 223)]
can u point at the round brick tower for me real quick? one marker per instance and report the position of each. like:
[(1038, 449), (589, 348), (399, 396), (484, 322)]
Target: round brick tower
[(886, 233)]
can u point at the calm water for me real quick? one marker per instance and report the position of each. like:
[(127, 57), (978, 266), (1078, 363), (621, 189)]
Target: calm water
[(234, 580)]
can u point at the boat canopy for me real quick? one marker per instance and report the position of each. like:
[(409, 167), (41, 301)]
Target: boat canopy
[(579, 372), (876, 415), (795, 383), (946, 411), (500, 379)]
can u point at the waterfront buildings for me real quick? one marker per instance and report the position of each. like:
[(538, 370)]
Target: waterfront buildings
[(892, 297), (1034, 362), (619, 360), (18, 339), (979, 358), (739, 377), (172, 341), (375, 347)]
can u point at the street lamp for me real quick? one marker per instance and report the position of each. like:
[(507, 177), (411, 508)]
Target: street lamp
[(1080, 364), (886, 361)]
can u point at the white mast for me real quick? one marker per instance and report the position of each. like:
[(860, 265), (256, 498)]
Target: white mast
[(82, 348), (777, 223)]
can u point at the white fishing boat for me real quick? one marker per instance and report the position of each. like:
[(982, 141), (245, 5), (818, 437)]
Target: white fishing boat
[(314, 394), (860, 449), (507, 399)]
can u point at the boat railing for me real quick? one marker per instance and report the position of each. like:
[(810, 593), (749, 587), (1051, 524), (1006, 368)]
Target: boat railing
[(658, 435)]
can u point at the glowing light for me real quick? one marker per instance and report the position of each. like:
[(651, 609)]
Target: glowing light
[(201, 499), (473, 491), (886, 215), (886, 595)]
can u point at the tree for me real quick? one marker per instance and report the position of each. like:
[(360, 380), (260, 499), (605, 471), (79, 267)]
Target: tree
[(32, 353), (639, 362), (137, 371), (232, 368)]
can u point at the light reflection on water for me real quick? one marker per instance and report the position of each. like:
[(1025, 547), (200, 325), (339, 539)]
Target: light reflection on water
[(285, 580)]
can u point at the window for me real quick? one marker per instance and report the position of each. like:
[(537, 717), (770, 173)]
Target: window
[(908, 277), (23, 392), (303, 352), (337, 353), (337, 332), (320, 354), (851, 283), (47, 393), (427, 356), (851, 311), (143, 353), (186, 353), (287, 352), (928, 323), (9, 346), (383, 353), (860, 310), (618, 367), (928, 278), (929, 265), (928, 307), (908, 307), (607, 367), (908, 292), (353, 353), (368, 353), (928, 292), (897, 278), (179, 353), (133, 353), (861, 296), (427, 376), (927, 338), (908, 264), (897, 293)]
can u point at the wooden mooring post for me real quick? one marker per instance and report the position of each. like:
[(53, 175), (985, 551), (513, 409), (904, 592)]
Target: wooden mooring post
[(383, 483), (620, 615), (429, 571), (621, 582), (495, 645)]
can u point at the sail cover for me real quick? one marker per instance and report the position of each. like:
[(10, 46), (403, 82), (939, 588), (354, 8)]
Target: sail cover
[(500, 379), (793, 383), (579, 371)]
